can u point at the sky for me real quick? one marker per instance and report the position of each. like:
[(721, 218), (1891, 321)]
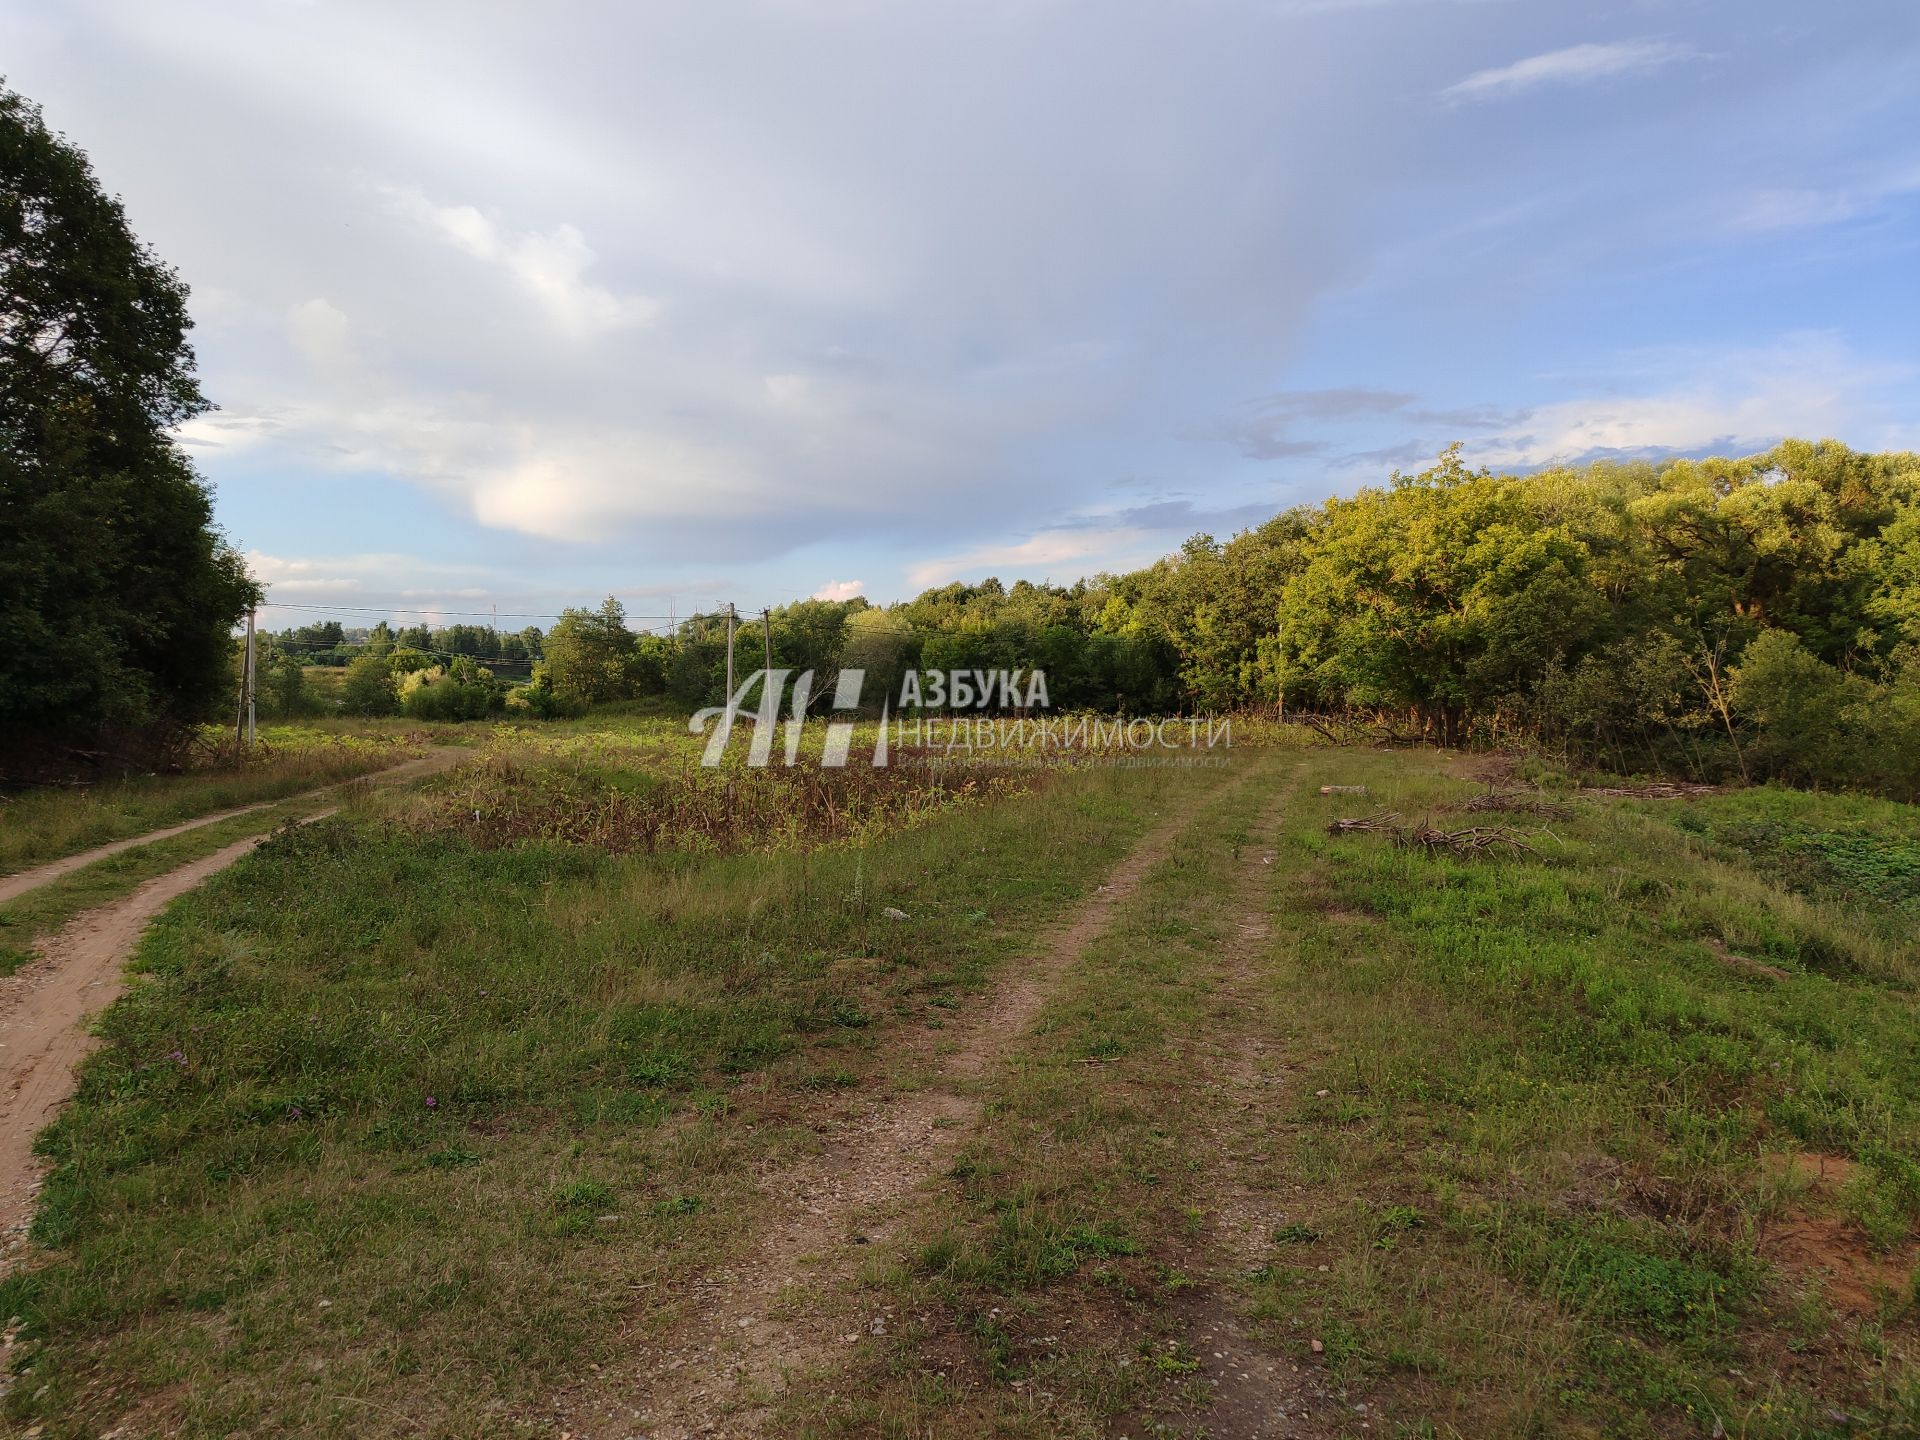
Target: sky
[(512, 306)]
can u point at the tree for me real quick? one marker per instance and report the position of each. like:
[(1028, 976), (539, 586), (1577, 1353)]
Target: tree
[(589, 654), (117, 595), (881, 644), (1442, 597), (368, 688)]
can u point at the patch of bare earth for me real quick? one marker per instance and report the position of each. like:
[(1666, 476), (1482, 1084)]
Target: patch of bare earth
[(1252, 1390), (784, 1308), (1745, 964), (1827, 1251)]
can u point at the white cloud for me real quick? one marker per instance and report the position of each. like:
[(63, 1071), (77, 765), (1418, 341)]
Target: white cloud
[(319, 330), (840, 590), (1791, 208), (1048, 554), (549, 265), (1732, 400), (1577, 64), (227, 432)]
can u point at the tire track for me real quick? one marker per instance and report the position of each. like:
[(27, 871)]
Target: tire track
[(1254, 1392), (772, 1314)]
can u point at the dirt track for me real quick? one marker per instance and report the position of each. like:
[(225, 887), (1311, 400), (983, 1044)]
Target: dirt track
[(773, 1313), (78, 972), (439, 758)]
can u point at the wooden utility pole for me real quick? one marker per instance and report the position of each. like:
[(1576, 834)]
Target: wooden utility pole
[(730, 621), (240, 699), (248, 684)]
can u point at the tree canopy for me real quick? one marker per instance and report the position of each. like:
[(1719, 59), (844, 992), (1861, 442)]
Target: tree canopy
[(117, 595)]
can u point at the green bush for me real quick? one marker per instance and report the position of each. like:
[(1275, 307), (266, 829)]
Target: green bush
[(369, 688), (1819, 725), (462, 691)]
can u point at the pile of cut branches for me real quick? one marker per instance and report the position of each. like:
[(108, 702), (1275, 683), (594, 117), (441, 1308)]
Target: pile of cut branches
[(1430, 839), (1386, 822), (1513, 802), (1658, 790), (1474, 840)]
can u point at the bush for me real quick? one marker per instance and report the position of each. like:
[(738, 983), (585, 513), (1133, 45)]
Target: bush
[(538, 698), (463, 691), (1820, 725), (368, 688)]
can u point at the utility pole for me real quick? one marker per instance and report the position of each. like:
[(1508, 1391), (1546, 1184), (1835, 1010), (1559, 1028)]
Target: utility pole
[(240, 699), (250, 678), (730, 622), (766, 620)]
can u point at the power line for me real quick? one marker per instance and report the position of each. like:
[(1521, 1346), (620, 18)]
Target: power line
[(413, 610)]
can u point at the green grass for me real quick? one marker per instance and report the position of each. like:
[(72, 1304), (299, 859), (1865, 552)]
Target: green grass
[(44, 909), (401, 1135), (1558, 1059), (1516, 1164), (449, 1130), (1860, 853)]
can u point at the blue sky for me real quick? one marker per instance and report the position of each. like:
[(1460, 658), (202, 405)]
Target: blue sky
[(701, 301)]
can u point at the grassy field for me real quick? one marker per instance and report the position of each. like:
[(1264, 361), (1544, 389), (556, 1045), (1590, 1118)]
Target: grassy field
[(419, 1120), (37, 825)]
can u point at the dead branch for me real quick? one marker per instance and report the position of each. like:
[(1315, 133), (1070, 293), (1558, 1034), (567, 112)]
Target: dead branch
[(1474, 840), (1386, 822), (1658, 790), (1513, 802)]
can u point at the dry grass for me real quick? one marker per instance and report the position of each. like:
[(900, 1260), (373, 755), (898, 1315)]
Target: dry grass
[(515, 796)]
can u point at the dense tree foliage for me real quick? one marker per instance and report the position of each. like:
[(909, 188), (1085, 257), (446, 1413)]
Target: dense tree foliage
[(117, 595), (1756, 616)]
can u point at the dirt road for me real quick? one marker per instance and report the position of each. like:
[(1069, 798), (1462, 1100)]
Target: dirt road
[(440, 758), (78, 972)]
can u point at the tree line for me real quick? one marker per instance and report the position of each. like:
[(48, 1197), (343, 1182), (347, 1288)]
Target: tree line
[(1753, 617)]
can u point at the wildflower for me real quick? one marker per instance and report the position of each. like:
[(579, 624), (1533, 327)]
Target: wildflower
[(432, 1104)]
